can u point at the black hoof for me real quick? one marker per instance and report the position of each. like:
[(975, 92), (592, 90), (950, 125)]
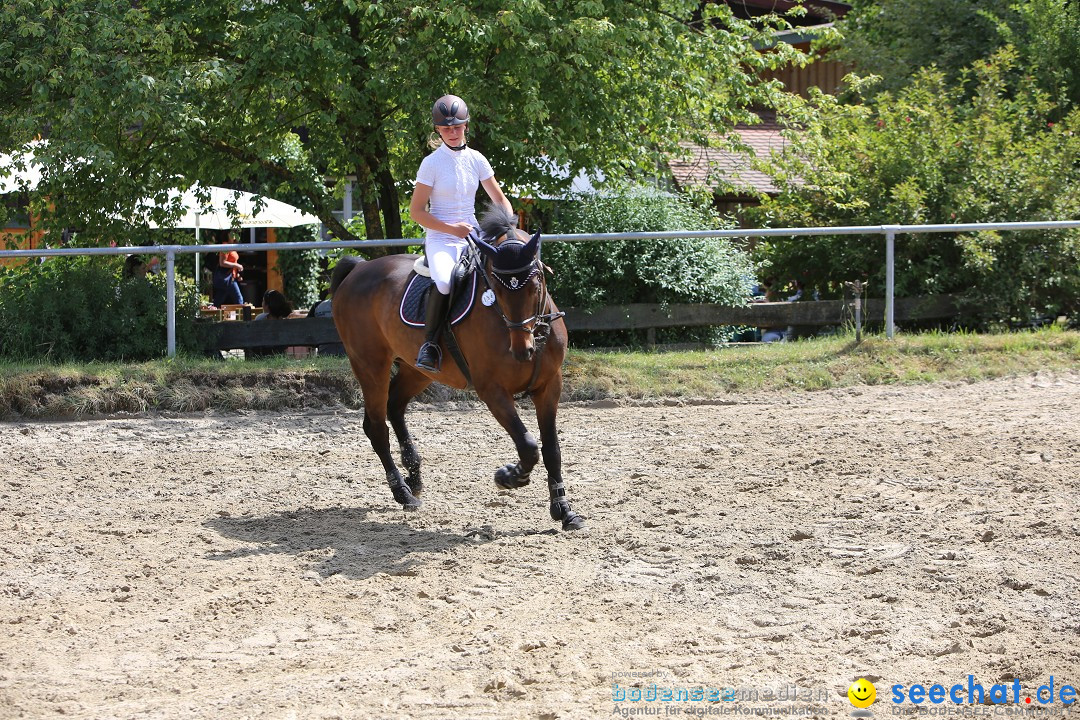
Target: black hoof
[(406, 499), (570, 519), (509, 478), (573, 521)]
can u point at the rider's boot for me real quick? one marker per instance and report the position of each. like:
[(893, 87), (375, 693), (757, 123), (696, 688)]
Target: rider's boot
[(430, 356)]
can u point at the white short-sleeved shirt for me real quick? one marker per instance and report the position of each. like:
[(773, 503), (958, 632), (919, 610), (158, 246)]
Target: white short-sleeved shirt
[(454, 176)]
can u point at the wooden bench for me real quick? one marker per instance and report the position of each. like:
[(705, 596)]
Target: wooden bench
[(268, 333)]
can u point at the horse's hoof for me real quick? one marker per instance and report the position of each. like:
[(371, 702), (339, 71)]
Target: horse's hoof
[(508, 478), (573, 521), (406, 499), (416, 486)]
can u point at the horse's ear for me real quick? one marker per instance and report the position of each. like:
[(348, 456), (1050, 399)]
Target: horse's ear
[(485, 249), (533, 246)]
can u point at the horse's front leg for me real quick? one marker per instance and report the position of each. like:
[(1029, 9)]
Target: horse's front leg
[(513, 475), (546, 400)]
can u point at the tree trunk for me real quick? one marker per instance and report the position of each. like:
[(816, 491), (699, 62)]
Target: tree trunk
[(391, 204), (369, 201)]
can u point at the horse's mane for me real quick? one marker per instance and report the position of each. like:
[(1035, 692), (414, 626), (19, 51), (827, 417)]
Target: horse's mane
[(498, 221)]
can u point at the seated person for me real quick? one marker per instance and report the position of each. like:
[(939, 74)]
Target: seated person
[(275, 307), (134, 267), (323, 308), (766, 291)]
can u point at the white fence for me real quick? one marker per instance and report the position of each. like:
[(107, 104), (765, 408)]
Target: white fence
[(888, 231)]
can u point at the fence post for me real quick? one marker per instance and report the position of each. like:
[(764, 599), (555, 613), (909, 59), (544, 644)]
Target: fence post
[(890, 278), (170, 300)]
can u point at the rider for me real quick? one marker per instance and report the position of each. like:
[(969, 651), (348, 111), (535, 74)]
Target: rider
[(444, 203)]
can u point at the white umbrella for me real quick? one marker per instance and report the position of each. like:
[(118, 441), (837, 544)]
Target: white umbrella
[(19, 171), (225, 209)]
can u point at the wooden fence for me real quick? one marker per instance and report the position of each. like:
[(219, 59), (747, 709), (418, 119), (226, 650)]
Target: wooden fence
[(317, 331)]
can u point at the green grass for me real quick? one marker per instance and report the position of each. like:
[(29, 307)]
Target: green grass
[(819, 364), (42, 390)]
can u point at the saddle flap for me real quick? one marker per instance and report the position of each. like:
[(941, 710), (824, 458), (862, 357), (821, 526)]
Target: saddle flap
[(414, 306)]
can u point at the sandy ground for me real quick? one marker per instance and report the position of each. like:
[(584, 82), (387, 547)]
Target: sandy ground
[(255, 565)]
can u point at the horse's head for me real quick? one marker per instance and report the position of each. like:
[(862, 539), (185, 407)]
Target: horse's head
[(512, 262)]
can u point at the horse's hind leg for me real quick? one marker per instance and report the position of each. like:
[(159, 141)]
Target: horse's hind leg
[(407, 384), (374, 385)]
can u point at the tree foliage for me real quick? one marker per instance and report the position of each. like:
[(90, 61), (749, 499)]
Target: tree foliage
[(895, 38), (137, 97), (929, 154)]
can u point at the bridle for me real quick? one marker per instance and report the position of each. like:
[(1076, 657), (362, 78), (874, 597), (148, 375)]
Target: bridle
[(512, 281)]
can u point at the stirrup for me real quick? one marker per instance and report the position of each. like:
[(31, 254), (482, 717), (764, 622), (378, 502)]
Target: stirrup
[(430, 357)]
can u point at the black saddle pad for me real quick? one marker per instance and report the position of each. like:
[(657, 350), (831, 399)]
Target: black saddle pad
[(414, 303)]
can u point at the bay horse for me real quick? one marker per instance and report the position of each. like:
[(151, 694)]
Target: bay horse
[(512, 341)]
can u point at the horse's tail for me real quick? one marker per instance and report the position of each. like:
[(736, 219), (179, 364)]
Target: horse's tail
[(344, 266)]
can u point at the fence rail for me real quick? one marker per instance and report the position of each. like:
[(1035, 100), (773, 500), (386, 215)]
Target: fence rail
[(888, 231)]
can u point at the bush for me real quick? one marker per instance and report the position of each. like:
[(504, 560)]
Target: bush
[(619, 272), (78, 308), (924, 156), (300, 269)]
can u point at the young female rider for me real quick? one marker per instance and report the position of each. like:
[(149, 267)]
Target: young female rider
[(444, 203)]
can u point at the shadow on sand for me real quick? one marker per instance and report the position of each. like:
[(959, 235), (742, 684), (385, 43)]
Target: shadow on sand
[(337, 541)]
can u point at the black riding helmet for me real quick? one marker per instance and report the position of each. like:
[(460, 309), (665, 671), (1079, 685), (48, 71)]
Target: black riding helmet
[(450, 110)]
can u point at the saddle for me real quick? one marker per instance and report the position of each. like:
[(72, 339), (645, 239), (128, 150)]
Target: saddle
[(462, 291)]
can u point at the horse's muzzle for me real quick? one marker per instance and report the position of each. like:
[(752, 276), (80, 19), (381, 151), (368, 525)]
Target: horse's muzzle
[(522, 346)]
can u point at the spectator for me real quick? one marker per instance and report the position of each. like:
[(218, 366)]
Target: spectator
[(227, 278), (275, 307), (324, 308), (134, 267), (766, 291)]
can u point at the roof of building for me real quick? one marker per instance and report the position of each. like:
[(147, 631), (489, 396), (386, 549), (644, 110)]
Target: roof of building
[(711, 166)]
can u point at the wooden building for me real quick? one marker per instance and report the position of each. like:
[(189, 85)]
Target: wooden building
[(719, 168)]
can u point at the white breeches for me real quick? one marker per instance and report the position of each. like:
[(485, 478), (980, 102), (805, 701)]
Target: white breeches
[(442, 256)]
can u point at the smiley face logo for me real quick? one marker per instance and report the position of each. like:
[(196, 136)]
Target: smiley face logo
[(862, 693)]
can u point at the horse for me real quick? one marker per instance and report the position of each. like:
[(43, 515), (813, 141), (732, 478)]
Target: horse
[(512, 341)]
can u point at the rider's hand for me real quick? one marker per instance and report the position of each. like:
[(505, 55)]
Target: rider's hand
[(460, 229)]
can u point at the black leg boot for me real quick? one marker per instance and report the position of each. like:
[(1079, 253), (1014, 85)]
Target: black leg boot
[(430, 356)]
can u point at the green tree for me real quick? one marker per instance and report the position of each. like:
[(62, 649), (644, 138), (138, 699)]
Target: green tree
[(930, 154), (895, 38), (136, 97), (79, 308), (1049, 39)]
